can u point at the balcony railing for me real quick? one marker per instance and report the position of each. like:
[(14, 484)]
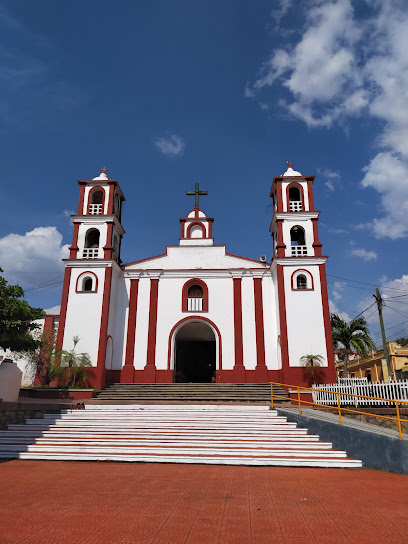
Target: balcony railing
[(90, 253), (299, 251), (95, 209), (295, 206), (194, 304)]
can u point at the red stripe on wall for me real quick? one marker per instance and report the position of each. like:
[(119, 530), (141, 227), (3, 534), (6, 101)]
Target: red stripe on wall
[(239, 351), (131, 330), (104, 321), (282, 317), (259, 323), (64, 305), (310, 195), (151, 338), (331, 375), (81, 198), (111, 198)]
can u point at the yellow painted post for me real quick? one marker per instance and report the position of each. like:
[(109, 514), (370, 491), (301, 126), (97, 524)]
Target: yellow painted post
[(338, 405), (300, 408), (272, 395), (398, 418)]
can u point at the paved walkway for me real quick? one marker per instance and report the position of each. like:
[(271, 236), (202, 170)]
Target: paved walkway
[(47, 502)]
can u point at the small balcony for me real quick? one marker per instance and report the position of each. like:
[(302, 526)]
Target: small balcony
[(194, 304), (90, 253), (299, 251), (95, 209), (295, 206)]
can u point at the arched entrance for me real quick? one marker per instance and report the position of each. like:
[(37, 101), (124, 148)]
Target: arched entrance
[(195, 352)]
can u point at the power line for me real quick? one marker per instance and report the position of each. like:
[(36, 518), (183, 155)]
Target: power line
[(389, 328), (365, 283), (395, 310)]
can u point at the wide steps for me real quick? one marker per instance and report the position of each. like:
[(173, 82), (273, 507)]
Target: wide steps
[(206, 392), (205, 434)]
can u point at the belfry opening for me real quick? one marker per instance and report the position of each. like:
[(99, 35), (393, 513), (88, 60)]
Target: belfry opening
[(195, 353)]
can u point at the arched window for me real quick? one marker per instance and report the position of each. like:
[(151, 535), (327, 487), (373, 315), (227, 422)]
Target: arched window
[(195, 296), (297, 241), (196, 230), (91, 249), (295, 197), (87, 282), (302, 280), (96, 199), (195, 291)]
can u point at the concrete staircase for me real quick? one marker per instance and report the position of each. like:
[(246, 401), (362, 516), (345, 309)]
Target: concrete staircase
[(204, 434), (190, 392)]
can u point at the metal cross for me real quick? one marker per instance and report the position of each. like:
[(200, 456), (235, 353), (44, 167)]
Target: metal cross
[(289, 164), (104, 170), (196, 193)]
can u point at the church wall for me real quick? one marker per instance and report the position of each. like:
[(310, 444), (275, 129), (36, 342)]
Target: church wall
[(270, 324), (248, 322), (142, 322), (83, 317), (118, 316), (304, 317), (220, 304)]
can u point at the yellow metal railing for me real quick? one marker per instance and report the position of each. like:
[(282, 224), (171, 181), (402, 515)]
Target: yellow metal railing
[(339, 408)]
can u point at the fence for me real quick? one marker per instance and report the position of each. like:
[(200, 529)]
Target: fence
[(327, 394)]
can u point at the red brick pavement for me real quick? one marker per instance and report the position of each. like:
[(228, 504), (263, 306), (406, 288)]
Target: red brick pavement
[(53, 502)]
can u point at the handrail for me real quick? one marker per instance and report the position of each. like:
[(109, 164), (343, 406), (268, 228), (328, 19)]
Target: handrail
[(338, 407)]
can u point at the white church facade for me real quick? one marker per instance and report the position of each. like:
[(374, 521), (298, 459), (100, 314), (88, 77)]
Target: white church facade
[(196, 313)]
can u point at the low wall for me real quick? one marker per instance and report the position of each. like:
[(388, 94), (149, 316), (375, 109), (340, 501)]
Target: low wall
[(55, 393), (13, 413), (375, 449)]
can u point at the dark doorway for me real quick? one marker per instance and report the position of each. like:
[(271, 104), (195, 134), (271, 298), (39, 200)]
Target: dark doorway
[(195, 354)]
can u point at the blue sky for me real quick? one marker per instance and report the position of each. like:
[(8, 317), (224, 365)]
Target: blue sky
[(223, 93)]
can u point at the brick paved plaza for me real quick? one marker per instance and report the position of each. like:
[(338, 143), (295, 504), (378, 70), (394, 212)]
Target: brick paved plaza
[(48, 502)]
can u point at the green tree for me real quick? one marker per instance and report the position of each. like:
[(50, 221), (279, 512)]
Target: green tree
[(312, 366), (17, 319), (403, 341), (349, 337), (70, 368)]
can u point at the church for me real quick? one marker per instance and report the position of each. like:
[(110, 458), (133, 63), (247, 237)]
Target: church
[(197, 313)]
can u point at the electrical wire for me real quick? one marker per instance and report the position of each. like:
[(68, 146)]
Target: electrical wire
[(370, 284)]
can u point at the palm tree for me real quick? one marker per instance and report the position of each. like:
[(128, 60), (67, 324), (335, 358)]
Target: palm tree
[(312, 365), (351, 336), (71, 366)]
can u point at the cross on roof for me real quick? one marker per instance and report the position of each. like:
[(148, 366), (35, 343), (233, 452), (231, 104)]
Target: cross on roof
[(104, 170), (196, 193), (289, 164)]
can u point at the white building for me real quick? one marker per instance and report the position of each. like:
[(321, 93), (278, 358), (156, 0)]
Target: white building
[(196, 313)]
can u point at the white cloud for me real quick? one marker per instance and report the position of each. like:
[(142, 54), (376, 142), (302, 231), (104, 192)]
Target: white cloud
[(338, 231), (34, 257), (344, 66), (388, 175), (55, 310), (331, 178), (364, 254), (282, 10), (173, 146), (335, 310)]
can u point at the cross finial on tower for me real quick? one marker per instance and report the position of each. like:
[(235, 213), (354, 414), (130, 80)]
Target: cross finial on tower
[(289, 164), (196, 193), (104, 170)]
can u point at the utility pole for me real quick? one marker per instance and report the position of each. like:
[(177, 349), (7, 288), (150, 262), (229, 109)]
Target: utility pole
[(380, 304)]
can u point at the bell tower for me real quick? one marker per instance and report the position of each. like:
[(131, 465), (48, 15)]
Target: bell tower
[(90, 271), (300, 276)]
